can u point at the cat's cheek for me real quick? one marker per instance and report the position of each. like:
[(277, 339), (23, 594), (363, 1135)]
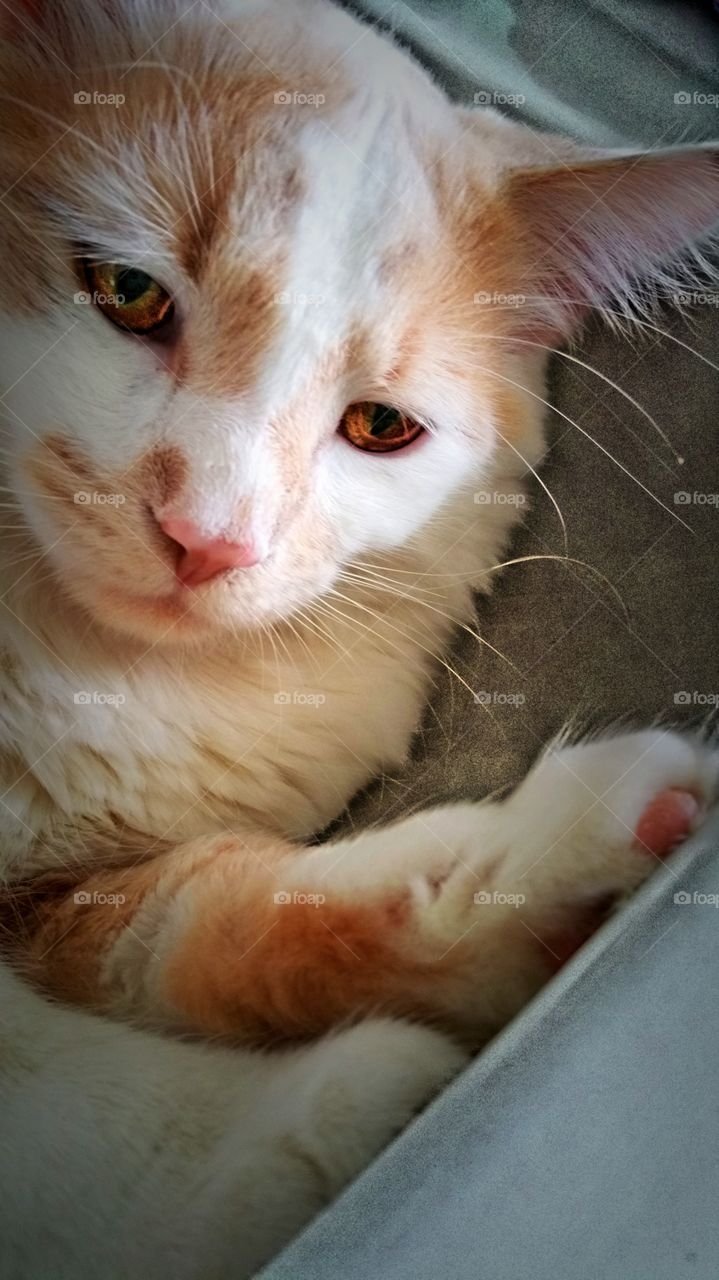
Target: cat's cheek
[(377, 502)]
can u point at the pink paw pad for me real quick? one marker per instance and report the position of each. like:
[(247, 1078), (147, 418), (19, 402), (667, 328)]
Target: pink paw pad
[(666, 821)]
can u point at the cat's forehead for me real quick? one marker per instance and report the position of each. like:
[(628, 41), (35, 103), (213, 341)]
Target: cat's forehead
[(285, 191), (255, 183), (289, 230)]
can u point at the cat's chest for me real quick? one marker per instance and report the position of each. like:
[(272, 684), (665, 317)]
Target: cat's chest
[(175, 751)]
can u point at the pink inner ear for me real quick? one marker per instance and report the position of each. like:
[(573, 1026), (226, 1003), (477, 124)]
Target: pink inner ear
[(596, 227)]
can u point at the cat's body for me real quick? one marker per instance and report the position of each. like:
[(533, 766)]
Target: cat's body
[(220, 618)]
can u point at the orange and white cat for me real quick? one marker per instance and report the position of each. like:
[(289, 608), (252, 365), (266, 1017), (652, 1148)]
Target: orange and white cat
[(247, 398)]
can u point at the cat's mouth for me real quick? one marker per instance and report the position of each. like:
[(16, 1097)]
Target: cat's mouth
[(181, 596), (181, 610), (163, 605)]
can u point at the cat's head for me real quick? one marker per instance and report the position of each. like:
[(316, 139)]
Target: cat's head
[(270, 298)]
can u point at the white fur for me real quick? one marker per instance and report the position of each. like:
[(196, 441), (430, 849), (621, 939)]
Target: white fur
[(126, 1154)]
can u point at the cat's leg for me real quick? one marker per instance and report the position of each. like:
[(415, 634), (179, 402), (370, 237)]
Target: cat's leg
[(456, 915), (516, 886), (126, 1153)]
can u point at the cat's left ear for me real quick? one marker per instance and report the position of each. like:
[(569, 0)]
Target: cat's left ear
[(601, 231)]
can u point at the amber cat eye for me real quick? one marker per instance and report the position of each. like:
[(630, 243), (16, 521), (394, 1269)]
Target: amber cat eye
[(129, 297), (378, 428)]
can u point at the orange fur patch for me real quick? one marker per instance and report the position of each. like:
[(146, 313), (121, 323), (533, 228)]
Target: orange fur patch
[(266, 973), (162, 474)]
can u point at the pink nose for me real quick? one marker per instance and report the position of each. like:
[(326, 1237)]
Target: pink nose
[(202, 558)]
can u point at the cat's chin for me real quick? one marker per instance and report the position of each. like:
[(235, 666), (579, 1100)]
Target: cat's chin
[(179, 615), (179, 618)]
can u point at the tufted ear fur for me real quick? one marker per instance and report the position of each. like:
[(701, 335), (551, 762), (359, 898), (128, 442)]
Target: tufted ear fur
[(612, 230)]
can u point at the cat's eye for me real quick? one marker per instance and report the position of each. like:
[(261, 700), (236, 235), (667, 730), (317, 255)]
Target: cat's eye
[(378, 428), (129, 297)]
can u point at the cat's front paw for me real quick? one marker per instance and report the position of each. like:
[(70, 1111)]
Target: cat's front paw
[(536, 875), (600, 815)]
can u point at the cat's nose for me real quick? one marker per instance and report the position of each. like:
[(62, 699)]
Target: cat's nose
[(203, 558)]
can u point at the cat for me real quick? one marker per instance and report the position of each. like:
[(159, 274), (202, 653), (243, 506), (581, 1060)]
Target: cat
[(248, 396)]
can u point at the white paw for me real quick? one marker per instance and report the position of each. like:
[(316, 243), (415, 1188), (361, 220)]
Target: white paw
[(610, 804)]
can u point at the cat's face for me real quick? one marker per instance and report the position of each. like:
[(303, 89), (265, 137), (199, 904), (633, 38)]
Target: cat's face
[(277, 232)]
